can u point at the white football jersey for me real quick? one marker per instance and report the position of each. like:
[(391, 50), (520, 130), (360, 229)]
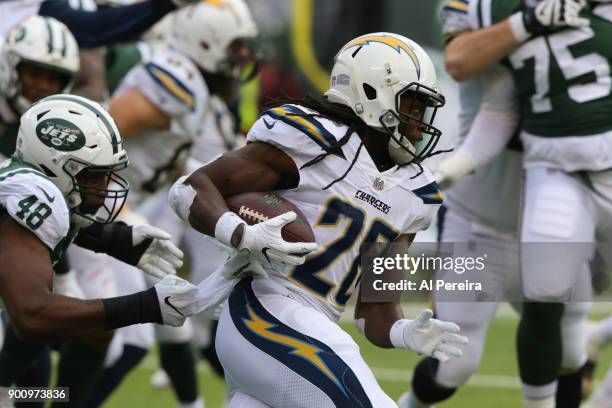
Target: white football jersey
[(32, 200), (219, 134), (173, 83), (366, 205)]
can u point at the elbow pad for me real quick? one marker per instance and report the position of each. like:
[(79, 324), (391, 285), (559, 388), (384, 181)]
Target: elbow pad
[(181, 197)]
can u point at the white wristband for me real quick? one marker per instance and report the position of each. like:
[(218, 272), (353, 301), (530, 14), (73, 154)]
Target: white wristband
[(181, 197), (396, 334), (518, 27), (225, 227)]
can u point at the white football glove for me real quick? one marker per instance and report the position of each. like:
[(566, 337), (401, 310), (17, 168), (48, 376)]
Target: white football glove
[(266, 245), (66, 284), (241, 265), (560, 13), (449, 171), (542, 14), (178, 299), (428, 336), (162, 257)]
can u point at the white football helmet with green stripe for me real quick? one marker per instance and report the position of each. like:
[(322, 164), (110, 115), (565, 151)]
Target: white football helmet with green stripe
[(63, 135), (41, 41)]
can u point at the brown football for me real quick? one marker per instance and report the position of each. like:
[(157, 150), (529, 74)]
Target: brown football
[(258, 207)]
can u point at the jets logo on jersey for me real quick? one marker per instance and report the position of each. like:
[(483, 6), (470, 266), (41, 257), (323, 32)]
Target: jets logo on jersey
[(60, 134), (397, 44)]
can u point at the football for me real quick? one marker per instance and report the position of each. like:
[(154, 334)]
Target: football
[(258, 207)]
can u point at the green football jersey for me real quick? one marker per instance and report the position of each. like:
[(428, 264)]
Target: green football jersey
[(120, 59), (563, 79)]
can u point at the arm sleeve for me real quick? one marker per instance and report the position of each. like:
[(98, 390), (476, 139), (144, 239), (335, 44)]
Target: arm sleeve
[(108, 25), (113, 239), (497, 120)]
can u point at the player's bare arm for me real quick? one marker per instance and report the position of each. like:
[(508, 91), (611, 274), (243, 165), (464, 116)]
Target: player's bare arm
[(384, 325), (379, 317), (255, 167), (471, 52), (26, 287), (134, 113)]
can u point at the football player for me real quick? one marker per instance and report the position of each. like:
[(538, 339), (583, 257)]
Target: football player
[(162, 106), (41, 58), (483, 209), (561, 179), (62, 178), (318, 154)]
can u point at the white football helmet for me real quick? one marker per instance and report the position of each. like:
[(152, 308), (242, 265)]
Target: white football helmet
[(64, 134), (207, 32), (372, 72), (41, 41)]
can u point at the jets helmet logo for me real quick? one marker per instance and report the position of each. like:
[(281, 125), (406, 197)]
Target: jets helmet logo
[(60, 135)]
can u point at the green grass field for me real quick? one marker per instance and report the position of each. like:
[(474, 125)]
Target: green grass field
[(495, 383)]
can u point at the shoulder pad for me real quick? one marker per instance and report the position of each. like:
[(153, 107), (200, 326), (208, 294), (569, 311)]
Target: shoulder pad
[(171, 83), (35, 203), (307, 122), (455, 18)]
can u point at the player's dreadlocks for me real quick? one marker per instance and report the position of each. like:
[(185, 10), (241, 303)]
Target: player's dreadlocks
[(334, 112), (346, 116)]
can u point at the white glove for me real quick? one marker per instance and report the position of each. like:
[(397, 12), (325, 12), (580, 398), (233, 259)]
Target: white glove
[(66, 284), (162, 257), (241, 265), (428, 336), (452, 169), (539, 16), (266, 245), (561, 13), (177, 299)]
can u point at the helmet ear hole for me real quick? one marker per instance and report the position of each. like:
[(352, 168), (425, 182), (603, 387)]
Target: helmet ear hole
[(370, 92)]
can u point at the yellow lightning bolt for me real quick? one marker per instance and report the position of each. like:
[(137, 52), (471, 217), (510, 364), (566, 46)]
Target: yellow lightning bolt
[(315, 132), (305, 350), (392, 42)]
